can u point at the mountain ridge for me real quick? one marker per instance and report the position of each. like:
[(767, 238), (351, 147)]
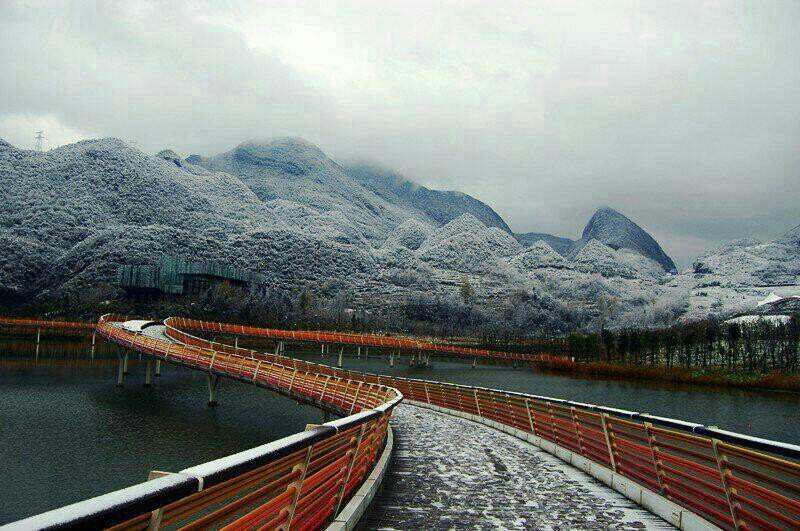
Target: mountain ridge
[(283, 209)]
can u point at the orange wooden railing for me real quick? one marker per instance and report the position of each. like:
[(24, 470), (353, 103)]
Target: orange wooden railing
[(733, 481), (730, 480), (45, 324), (299, 482), (369, 340)]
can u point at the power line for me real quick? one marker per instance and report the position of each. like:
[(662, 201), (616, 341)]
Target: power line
[(39, 140)]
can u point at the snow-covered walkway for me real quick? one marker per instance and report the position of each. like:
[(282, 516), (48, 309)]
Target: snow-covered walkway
[(451, 473)]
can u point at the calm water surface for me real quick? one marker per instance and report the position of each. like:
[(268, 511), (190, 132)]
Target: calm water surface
[(67, 433)]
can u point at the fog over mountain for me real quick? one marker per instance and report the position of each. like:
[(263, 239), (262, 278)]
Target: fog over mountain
[(681, 115), (69, 217)]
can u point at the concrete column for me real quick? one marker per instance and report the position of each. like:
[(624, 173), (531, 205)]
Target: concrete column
[(236, 342), (158, 367), (474, 362), (125, 364), (358, 354), (38, 337), (391, 359), (94, 338), (213, 381), (281, 347), (428, 360), (322, 351), (341, 352), (120, 371), (148, 374)]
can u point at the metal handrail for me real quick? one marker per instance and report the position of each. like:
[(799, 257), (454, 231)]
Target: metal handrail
[(732, 480), (371, 340), (44, 323), (299, 475)]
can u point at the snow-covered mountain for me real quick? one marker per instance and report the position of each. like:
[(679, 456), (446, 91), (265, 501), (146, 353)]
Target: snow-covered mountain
[(735, 277), (561, 245), (610, 228), (436, 206), (283, 209)]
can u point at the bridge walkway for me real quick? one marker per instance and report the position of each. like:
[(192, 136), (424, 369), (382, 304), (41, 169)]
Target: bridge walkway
[(451, 473)]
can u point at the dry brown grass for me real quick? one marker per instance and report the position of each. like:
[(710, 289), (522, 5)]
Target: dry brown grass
[(710, 376)]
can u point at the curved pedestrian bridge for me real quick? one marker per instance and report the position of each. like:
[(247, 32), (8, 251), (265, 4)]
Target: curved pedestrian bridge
[(471, 457)]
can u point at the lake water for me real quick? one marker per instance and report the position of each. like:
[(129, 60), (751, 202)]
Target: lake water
[(68, 433)]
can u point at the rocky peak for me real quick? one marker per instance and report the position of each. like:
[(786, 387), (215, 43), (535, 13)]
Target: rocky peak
[(618, 232), (171, 156)]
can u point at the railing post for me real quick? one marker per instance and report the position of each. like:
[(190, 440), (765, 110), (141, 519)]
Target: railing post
[(355, 398), (651, 442), (553, 423), (530, 416), (577, 430), (322, 396), (349, 469), (427, 395), (477, 404), (299, 486), (723, 474), (604, 417)]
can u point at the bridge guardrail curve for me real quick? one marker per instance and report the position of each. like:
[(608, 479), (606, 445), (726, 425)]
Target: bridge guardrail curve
[(731, 480), (298, 482)]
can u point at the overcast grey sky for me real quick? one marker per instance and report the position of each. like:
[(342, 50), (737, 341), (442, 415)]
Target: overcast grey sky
[(684, 115)]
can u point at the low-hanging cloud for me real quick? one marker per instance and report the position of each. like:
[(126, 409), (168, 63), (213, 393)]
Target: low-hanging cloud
[(683, 115)]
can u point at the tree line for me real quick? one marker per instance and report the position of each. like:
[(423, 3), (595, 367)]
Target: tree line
[(762, 346)]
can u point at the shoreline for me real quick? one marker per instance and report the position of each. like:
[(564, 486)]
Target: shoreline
[(712, 377)]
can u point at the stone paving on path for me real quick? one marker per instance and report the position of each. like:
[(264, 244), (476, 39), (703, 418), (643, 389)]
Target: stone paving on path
[(452, 473)]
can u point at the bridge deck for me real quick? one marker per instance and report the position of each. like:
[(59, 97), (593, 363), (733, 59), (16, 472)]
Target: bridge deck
[(448, 472)]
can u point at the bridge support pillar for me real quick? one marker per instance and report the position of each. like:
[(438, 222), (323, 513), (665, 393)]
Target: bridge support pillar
[(38, 338), (94, 339), (474, 362), (281, 348), (236, 342), (158, 368), (125, 364), (121, 369), (428, 360), (213, 381), (358, 354), (391, 359), (341, 352), (322, 351), (148, 374)]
